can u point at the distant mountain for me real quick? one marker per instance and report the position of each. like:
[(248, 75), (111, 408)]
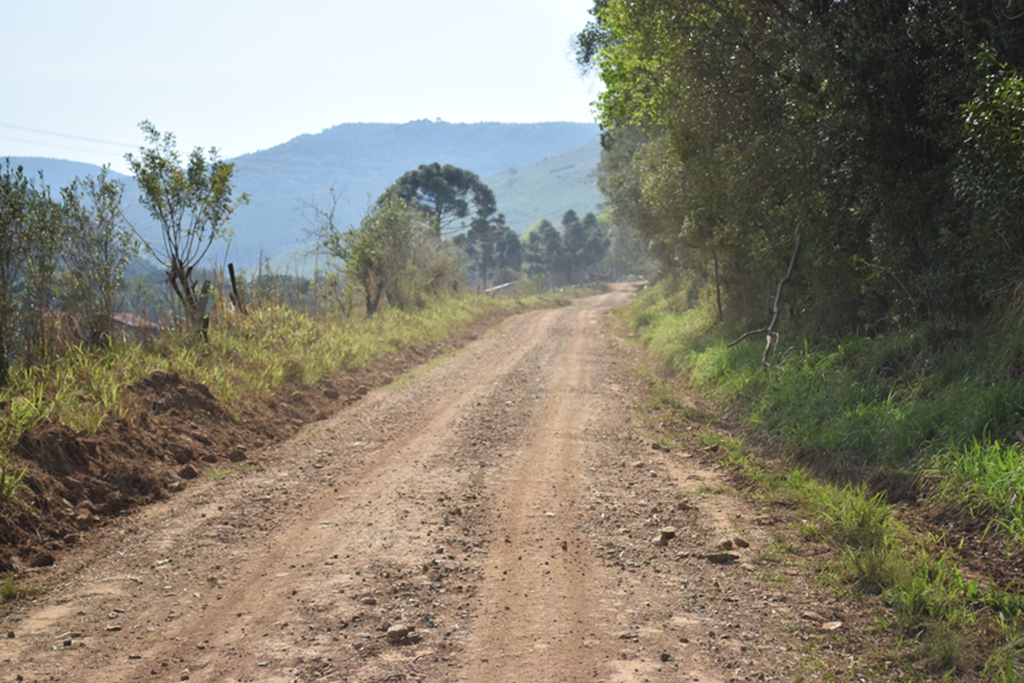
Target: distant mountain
[(59, 172), (525, 163)]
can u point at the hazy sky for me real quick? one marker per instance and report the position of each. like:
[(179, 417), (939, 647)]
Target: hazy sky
[(245, 76)]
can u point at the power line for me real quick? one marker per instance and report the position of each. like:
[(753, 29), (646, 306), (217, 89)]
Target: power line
[(46, 144), (65, 135)]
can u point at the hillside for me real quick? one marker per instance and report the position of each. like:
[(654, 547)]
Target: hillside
[(533, 174), (548, 188), (361, 159), (525, 194)]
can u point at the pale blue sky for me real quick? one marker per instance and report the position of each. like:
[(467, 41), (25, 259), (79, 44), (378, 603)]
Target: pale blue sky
[(247, 75)]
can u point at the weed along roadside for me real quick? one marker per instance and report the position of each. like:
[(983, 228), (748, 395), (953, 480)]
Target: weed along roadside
[(98, 432), (897, 455)]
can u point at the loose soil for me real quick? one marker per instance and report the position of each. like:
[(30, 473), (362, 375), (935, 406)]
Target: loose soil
[(501, 514)]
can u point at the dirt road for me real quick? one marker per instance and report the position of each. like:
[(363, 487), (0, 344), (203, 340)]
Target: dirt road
[(493, 517)]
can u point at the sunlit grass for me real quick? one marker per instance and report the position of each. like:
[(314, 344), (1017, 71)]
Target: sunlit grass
[(244, 359), (930, 401)]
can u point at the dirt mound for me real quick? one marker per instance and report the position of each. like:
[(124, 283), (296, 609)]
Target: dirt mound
[(173, 430)]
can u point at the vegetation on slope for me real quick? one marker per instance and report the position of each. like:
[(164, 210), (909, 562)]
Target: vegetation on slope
[(914, 418)]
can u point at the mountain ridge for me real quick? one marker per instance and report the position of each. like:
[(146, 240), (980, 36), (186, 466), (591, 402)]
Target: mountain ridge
[(360, 160)]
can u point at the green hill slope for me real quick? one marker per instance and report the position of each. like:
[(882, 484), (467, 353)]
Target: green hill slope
[(549, 188)]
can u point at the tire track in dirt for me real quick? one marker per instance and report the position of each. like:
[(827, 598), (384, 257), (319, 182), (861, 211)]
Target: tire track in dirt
[(540, 559)]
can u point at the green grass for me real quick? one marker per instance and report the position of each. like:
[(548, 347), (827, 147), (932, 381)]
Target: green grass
[(12, 590), (948, 623), (985, 478), (935, 405), (10, 479), (882, 402), (245, 359)]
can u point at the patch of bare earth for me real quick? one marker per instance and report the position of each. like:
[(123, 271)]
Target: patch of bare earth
[(499, 517)]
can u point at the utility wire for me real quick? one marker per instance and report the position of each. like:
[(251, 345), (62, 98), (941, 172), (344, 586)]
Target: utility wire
[(64, 135), (46, 144)]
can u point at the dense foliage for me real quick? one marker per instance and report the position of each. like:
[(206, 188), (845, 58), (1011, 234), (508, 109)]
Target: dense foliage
[(870, 133), (61, 265), (568, 257)]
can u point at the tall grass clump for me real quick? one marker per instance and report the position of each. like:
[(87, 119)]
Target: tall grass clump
[(10, 479), (984, 478)]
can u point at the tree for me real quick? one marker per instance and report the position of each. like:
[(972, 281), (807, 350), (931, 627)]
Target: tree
[(15, 192), (377, 253), (542, 253), (583, 245), (838, 122), (100, 246), (443, 193), (491, 246), (43, 253), (192, 205)]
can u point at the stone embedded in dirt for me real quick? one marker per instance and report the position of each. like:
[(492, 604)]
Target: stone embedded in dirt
[(721, 558), (41, 560), (638, 464), (114, 503), (665, 534), (369, 600), (628, 636), (740, 542), (85, 520), (665, 657), (181, 451), (398, 633), (188, 472), (237, 454), (10, 635)]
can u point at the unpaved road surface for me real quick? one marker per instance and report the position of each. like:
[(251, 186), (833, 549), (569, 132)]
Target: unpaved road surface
[(499, 505)]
